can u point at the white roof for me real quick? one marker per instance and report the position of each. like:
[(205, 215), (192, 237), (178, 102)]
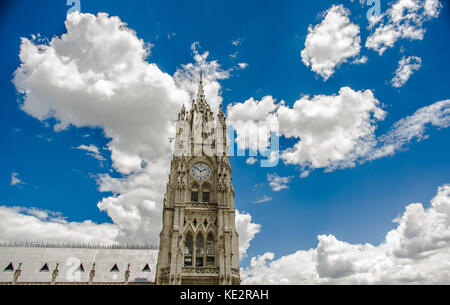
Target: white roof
[(70, 257)]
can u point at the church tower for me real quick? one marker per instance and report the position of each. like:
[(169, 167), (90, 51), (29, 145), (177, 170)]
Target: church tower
[(198, 241)]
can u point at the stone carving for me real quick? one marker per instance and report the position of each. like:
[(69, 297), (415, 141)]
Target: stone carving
[(202, 270), (181, 172), (180, 245), (198, 216)]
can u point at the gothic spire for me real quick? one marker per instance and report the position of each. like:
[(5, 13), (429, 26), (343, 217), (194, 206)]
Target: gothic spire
[(201, 93)]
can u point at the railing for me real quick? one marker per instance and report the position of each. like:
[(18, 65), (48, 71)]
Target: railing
[(25, 244), (196, 205), (200, 270)]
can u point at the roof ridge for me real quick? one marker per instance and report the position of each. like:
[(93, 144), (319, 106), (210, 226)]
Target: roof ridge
[(43, 244)]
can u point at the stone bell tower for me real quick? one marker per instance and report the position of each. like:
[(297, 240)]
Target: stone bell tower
[(198, 241)]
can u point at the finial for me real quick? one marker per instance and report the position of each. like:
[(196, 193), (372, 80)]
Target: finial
[(201, 75)]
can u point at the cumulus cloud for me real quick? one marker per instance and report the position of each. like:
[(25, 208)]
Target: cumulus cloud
[(333, 131), (92, 151), (188, 76), (97, 75), (403, 20), (253, 122), (32, 224), (246, 230), (278, 183), (417, 251), (332, 42), (406, 68), (15, 180), (360, 60)]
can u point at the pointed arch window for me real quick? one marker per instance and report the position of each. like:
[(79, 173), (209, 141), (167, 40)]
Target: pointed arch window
[(205, 192), (210, 252), (194, 193), (188, 249), (199, 250)]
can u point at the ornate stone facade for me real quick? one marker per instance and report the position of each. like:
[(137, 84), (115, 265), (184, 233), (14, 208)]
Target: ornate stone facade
[(198, 241)]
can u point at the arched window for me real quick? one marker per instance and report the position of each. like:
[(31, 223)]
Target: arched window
[(188, 250), (199, 250), (205, 192), (194, 193), (210, 253)]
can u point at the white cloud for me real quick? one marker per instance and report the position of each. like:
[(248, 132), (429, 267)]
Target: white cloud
[(237, 42), (332, 42), (251, 160), (360, 60), (406, 68), (333, 132), (246, 230), (417, 251), (31, 224), (15, 180), (92, 151), (187, 77), (278, 183), (403, 20), (243, 65), (253, 121), (96, 75), (412, 128), (265, 198)]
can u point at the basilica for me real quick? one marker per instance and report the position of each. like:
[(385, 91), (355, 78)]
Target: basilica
[(198, 241)]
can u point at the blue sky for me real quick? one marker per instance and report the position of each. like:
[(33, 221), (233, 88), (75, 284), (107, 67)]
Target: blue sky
[(355, 204)]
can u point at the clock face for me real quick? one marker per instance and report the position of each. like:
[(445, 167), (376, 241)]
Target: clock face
[(201, 171)]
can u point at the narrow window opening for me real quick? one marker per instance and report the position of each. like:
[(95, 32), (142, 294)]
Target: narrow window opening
[(205, 192), (9, 268), (188, 251), (146, 268), (114, 268), (44, 268), (194, 193), (199, 250), (81, 268), (210, 253), (194, 196)]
